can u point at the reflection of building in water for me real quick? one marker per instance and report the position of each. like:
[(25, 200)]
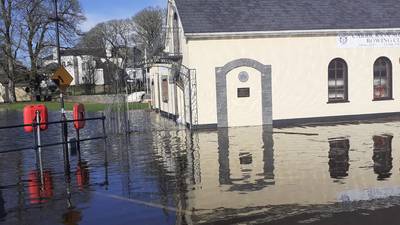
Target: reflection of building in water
[(383, 156), (234, 167), (177, 167), (245, 165), (339, 157)]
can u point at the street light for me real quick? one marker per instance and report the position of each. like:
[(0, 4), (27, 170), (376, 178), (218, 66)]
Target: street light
[(64, 130)]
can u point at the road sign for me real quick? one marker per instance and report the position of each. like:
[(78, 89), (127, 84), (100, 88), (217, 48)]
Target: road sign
[(62, 78)]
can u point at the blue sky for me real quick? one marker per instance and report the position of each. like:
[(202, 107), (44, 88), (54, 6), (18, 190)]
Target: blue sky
[(102, 10)]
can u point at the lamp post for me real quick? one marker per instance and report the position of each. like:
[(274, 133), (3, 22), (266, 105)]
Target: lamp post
[(64, 129)]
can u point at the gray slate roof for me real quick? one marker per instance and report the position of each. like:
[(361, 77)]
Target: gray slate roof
[(209, 16), (99, 52)]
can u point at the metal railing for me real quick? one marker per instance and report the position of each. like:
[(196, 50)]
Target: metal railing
[(38, 146), (35, 125)]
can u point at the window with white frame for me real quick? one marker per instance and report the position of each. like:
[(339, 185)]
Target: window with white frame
[(337, 81), (382, 79)]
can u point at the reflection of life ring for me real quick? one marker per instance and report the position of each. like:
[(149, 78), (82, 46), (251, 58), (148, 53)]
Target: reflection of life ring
[(79, 114), (30, 116), (38, 195), (82, 175)]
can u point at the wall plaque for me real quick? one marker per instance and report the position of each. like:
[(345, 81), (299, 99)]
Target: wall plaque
[(243, 92)]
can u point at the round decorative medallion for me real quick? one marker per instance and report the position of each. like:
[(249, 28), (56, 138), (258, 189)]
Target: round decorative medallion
[(243, 76)]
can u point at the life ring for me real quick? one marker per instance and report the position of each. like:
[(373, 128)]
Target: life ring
[(30, 116), (79, 114)]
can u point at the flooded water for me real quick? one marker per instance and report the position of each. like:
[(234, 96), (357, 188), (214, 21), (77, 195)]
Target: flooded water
[(163, 174)]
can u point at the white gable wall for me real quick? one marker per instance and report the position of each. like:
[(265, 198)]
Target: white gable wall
[(299, 74)]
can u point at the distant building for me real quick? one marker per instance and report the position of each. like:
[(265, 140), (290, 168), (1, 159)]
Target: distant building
[(83, 63), (78, 62), (246, 63)]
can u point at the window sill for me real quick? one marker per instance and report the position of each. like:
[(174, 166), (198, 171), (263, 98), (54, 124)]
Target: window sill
[(338, 101), (382, 99)]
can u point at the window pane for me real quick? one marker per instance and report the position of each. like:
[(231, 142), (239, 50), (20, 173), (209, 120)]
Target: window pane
[(331, 74), (164, 86), (337, 78), (340, 93), (339, 66), (382, 78)]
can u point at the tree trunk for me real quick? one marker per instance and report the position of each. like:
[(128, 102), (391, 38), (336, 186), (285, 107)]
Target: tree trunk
[(11, 91), (35, 89), (11, 84), (6, 93)]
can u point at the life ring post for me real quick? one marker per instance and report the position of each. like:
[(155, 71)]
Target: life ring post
[(39, 148)]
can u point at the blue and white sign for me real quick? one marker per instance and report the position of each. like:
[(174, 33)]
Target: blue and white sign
[(368, 194), (369, 40)]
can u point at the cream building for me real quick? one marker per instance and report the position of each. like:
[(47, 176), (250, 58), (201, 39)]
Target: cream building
[(260, 62)]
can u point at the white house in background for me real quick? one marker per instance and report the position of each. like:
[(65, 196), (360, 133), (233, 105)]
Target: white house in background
[(79, 61), (278, 62)]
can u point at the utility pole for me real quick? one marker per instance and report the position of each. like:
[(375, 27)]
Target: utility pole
[(64, 129), (145, 71)]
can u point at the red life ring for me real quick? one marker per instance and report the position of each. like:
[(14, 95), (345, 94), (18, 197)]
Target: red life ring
[(30, 116), (79, 114)]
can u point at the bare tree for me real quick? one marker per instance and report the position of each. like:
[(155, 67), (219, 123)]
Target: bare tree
[(114, 37), (70, 15), (9, 28), (149, 30), (38, 16), (119, 37)]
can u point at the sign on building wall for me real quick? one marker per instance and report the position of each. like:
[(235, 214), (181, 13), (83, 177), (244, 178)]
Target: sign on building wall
[(368, 40)]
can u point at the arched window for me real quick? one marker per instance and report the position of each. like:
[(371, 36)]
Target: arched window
[(382, 79), (337, 81)]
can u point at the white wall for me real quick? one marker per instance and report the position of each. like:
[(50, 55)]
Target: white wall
[(157, 73), (299, 74), (78, 73), (174, 106), (2, 93)]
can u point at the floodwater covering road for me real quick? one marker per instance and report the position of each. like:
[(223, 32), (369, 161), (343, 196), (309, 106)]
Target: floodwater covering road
[(163, 174)]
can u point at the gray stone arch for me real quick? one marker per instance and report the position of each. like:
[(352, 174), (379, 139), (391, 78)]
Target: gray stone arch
[(266, 89)]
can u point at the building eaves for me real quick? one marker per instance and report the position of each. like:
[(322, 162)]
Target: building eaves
[(227, 16)]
